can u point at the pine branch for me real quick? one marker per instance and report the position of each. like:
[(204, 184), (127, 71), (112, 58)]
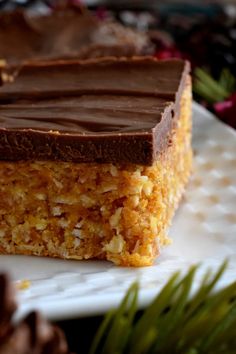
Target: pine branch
[(227, 80), (211, 90), (113, 334), (176, 322)]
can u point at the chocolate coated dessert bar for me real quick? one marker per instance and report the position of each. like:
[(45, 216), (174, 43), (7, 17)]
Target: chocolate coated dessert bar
[(94, 156)]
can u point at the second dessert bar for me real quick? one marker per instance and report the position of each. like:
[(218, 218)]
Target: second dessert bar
[(95, 157), (67, 32)]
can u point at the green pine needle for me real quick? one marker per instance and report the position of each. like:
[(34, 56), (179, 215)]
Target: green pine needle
[(113, 334), (176, 322), (211, 90), (227, 80)]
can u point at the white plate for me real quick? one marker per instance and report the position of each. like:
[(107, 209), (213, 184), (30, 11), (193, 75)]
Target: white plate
[(204, 230)]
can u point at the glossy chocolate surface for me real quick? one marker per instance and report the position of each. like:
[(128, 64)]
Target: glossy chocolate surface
[(110, 110)]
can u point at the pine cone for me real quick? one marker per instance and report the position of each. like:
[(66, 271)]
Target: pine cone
[(7, 306), (33, 335)]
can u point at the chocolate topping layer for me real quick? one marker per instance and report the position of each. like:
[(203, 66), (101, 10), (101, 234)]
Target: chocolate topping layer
[(108, 110), (67, 33)]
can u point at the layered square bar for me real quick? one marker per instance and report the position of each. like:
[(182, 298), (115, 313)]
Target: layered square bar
[(95, 157)]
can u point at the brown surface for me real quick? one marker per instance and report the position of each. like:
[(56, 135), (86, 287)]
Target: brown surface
[(66, 33), (74, 111)]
